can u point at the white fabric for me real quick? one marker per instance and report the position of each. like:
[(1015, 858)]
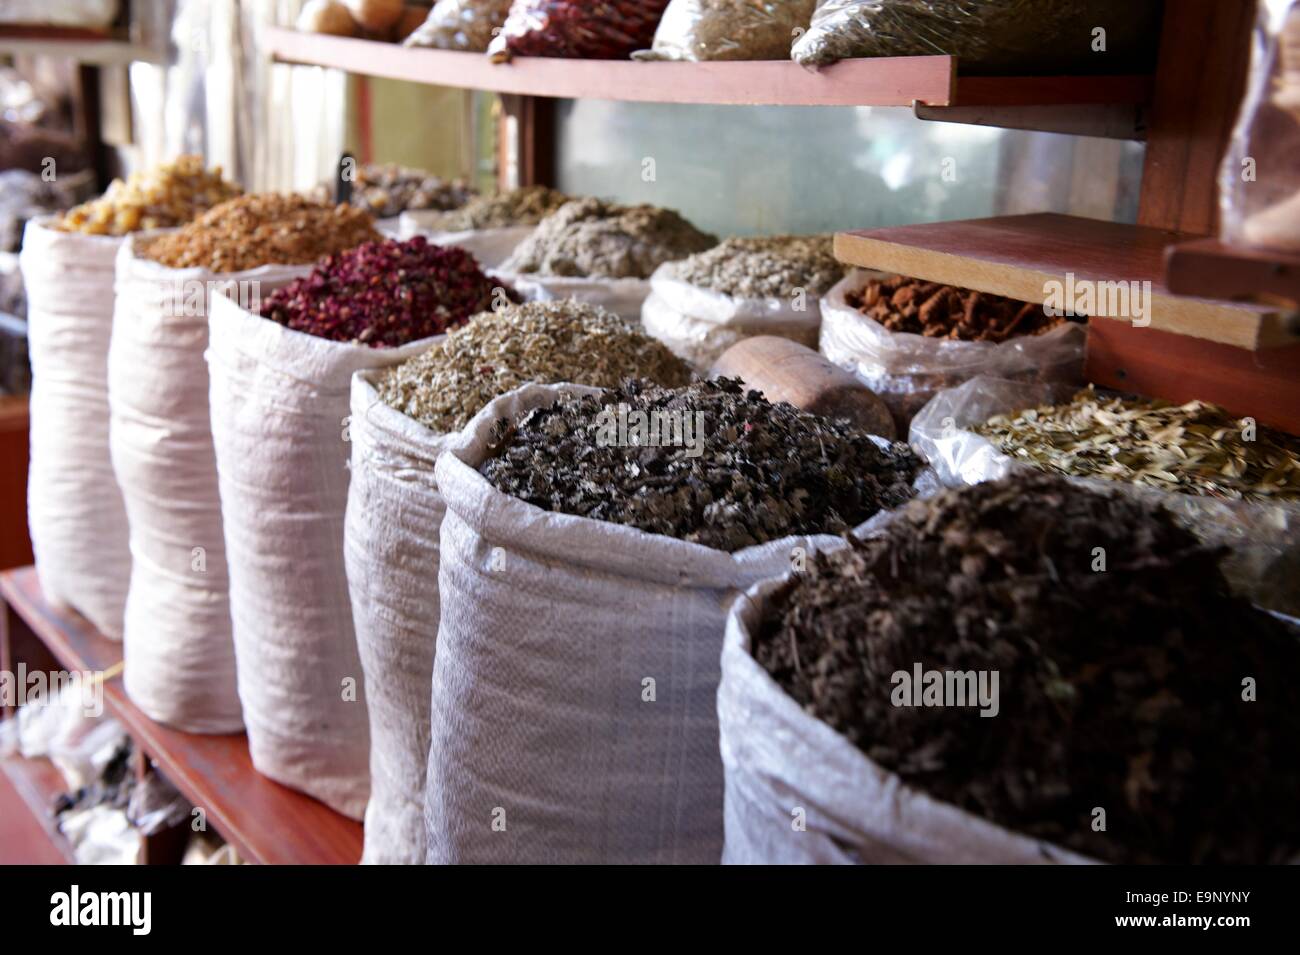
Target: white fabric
[(180, 660), (279, 402), (780, 760), (698, 324), (74, 506), (623, 297), (490, 247), (550, 625), (390, 544)]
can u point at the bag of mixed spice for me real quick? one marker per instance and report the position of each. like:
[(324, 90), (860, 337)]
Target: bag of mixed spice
[(574, 713), (402, 419), (1233, 483), (578, 29), (460, 25), (598, 252), (908, 339), (489, 227), (281, 371), (178, 644), (75, 510), (763, 285), (965, 685), (700, 30), (992, 36)]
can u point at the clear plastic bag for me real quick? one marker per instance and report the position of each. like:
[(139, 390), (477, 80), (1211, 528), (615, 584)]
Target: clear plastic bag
[(1263, 539), (698, 324), (907, 370), (461, 25), (729, 29), (573, 28), (992, 36), (1259, 182)]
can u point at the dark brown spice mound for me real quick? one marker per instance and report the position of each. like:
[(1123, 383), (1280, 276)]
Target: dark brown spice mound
[(1120, 689), (753, 472)]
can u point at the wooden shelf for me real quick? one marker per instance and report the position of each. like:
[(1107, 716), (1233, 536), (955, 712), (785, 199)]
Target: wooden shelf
[(1019, 255), (93, 47), (886, 81), (265, 821), (32, 787), (1209, 267)]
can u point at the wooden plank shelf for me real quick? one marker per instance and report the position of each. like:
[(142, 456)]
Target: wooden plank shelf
[(1020, 255), (1211, 268), (29, 787), (266, 822), (884, 81), (92, 47)]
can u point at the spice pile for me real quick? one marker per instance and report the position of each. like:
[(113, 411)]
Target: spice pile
[(592, 237), (526, 206), (764, 266), (1119, 688), (261, 229), (159, 198), (544, 342), (388, 190), (731, 469), (1194, 448), (384, 294), (904, 304)]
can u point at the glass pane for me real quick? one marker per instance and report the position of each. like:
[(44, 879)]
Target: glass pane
[(744, 170)]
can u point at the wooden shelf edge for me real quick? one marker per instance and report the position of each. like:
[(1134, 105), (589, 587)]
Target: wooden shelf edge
[(1209, 267), (38, 782), (264, 821), (1018, 256)]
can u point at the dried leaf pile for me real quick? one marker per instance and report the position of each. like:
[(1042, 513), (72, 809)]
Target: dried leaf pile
[(1119, 689), (526, 206), (544, 342), (1194, 448), (764, 471), (777, 266), (592, 237)]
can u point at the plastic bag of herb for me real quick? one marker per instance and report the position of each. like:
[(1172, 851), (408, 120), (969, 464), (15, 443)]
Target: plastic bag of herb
[(622, 625), (992, 36), (965, 684), (906, 352), (1232, 483), (460, 25), (764, 285), (728, 30)]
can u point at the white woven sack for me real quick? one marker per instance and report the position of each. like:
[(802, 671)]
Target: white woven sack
[(545, 745), (180, 659), (699, 324), (391, 546), (279, 402), (623, 297), (783, 765), (490, 247), (74, 506)]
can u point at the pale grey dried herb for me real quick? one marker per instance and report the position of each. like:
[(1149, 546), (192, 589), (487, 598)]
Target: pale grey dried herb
[(777, 266), (526, 206), (754, 472), (592, 237), (1192, 448), (542, 342)]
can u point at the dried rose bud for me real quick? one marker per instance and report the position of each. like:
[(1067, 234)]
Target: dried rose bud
[(384, 294)]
